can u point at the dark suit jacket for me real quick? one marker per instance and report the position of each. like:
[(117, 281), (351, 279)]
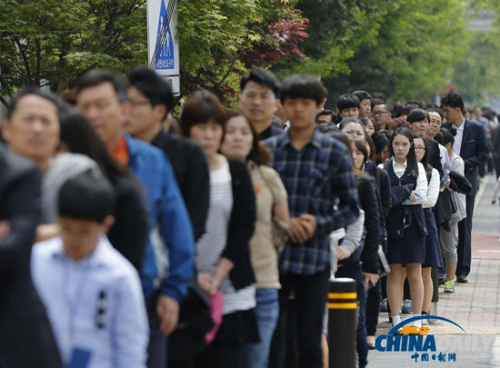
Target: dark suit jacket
[(26, 338), (191, 172), (474, 151)]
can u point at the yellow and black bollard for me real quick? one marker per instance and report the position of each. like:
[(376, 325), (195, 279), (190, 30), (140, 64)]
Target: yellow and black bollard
[(342, 322)]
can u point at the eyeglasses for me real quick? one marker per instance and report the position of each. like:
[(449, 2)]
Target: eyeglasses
[(379, 112), (139, 103), (419, 148)]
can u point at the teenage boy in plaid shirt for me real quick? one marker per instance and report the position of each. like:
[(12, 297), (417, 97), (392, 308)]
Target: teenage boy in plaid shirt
[(322, 195)]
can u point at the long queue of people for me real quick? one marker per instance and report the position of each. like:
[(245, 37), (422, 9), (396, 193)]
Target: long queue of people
[(210, 247)]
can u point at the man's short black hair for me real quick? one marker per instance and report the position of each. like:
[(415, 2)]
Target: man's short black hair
[(453, 100), (155, 88), (326, 112), (99, 76), (262, 77), (347, 101), (303, 86), (378, 101), (436, 110), (86, 197), (417, 115), (37, 92), (362, 95)]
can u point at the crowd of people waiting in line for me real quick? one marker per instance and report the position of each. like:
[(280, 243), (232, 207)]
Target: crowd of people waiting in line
[(205, 241)]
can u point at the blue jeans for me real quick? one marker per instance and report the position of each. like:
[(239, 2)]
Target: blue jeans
[(267, 311)]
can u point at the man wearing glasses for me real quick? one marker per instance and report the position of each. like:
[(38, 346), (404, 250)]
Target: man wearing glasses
[(381, 114)]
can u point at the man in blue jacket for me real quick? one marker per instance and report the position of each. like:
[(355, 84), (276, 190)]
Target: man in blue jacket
[(168, 262), (472, 146)]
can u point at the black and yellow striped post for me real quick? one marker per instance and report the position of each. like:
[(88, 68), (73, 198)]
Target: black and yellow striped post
[(342, 321)]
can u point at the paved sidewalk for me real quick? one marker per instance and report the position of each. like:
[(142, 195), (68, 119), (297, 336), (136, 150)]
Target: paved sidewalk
[(475, 306)]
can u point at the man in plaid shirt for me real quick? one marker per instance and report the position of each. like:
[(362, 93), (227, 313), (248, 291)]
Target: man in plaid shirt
[(322, 195)]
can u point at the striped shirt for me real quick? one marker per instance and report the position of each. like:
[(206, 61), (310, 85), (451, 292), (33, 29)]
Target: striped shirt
[(319, 179), (210, 246)]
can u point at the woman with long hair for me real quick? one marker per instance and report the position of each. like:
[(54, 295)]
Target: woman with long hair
[(433, 256), (222, 253), (406, 227), (129, 232), (362, 264), (242, 143)]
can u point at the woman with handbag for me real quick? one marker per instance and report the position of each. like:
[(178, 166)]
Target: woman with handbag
[(222, 253), (449, 236), (242, 143)]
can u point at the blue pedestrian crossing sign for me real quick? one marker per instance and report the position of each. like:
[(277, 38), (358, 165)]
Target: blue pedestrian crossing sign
[(163, 46), (164, 50)]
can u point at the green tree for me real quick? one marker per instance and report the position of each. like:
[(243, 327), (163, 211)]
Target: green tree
[(221, 40), (476, 75), (405, 49), (54, 41)]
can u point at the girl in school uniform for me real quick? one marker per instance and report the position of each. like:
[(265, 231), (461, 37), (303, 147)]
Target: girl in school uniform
[(433, 256), (406, 226)]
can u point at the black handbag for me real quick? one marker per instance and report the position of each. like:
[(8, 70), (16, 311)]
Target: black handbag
[(195, 321), (459, 183)]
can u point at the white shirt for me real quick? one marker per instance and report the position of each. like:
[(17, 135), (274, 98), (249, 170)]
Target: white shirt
[(458, 165), (432, 190), (75, 293), (445, 158), (421, 188), (458, 138), (286, 125)]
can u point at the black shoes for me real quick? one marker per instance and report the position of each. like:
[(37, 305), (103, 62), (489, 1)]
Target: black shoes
[(462, 279)]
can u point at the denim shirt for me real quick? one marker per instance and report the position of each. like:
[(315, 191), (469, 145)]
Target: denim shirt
[(169, 259)]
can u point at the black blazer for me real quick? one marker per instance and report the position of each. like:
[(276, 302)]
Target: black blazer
[(191, 172), (474, 151), (26, 338), (241, 225), (129, 233), (369, 201)]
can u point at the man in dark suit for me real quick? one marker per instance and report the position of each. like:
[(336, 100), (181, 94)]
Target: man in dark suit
[(26, 338), (472, 146)]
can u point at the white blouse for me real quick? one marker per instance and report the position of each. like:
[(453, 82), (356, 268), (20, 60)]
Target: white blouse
[(421, 189), (432, 191)]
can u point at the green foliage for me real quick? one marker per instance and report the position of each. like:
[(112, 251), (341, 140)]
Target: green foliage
[(222, 39), (403, 48), (476, 75), (55, 41)]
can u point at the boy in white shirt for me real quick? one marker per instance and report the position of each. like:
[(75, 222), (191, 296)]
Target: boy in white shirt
[(92, 293)]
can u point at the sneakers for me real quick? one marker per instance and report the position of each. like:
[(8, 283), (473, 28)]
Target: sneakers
[(407, 307), (383, 306), (449, 287)]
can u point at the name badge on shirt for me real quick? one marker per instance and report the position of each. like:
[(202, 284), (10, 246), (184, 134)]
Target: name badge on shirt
[(80, 358)]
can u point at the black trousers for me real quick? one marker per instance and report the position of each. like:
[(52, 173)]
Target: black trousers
[(374, 297), (157, 347), (464, 249), (310, 299)]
